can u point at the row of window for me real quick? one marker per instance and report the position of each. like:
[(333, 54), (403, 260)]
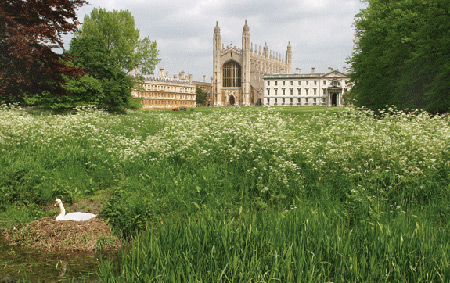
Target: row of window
[(159, 95), (151, 102), (169, 88), (306, 82), (299, 91), (292, 100)]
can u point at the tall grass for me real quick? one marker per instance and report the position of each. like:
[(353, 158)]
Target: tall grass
[(375, 188), (299, 245)]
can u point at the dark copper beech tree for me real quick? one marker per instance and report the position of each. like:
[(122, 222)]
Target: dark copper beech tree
[(30, 33)]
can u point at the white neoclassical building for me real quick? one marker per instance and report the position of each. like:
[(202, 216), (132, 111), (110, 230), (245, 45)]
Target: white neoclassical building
[(309, 89)]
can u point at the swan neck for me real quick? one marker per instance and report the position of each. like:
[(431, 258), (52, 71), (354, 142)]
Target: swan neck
[(62, 211)]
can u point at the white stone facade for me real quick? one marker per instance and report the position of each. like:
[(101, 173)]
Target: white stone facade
[(313, 89)]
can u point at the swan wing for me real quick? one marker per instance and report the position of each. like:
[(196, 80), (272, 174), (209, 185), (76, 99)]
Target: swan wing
[(76, 216)]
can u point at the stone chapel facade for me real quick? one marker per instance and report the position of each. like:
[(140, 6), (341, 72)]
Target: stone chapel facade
[(238, 74)]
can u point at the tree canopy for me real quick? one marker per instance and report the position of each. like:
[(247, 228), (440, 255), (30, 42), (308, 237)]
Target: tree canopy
[(29, 30), (111, 39), (109, 46), (402, 55), (201, 96)]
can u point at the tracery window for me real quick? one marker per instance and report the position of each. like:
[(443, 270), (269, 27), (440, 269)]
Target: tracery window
[(231, 74)]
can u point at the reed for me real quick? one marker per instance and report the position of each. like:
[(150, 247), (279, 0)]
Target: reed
[(224, 194), (298, 245)]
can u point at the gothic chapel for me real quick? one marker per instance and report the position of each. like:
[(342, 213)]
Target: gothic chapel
[(238, 73)]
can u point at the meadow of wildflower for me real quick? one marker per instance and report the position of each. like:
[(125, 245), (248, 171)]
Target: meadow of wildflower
[(244, 194)]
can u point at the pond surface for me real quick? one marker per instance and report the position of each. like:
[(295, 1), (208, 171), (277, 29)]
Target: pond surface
[(19, 263)]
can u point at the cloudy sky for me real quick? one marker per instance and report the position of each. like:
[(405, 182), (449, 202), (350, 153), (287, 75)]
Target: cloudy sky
[(320, 31)]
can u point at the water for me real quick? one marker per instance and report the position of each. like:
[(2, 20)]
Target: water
[(19, 263)]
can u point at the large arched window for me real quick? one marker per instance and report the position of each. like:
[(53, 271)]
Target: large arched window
[(231, 74)]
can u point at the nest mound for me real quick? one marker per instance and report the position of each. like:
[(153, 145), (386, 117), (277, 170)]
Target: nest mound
[(51, 235)]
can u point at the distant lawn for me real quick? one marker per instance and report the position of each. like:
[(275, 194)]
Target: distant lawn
[(297, 110)]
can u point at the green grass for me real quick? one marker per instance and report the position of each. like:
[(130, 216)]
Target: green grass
[(223, 194), (298, 245)]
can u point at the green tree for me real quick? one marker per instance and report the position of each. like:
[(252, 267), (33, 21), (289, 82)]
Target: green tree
[(201, 96), (402, 55), (109, 47)]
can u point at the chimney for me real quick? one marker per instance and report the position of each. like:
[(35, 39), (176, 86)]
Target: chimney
[(175, 77), (161, 73), (330, 69), (182, 76), (167, 75), (204, 78), (190, 78), (298, 70), (313, 70), (345, 70)]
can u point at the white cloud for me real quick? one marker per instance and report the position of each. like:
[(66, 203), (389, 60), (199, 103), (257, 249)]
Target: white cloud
[(320, 31)]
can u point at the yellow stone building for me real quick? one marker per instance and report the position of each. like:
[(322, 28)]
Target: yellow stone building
[(165, 93)]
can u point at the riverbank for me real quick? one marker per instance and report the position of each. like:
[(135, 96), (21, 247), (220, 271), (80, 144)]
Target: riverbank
[(203, 194)]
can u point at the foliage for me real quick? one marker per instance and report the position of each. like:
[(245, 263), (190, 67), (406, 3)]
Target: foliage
[(370, 189), (109, 46), (201, 97), (135, 103), (29, 30), (84, 90), (111, 39), (402, 56)]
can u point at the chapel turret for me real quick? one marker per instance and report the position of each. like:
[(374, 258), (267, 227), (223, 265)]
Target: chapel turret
[(238, 73), (217, 66), (246, 65), (289, 57)]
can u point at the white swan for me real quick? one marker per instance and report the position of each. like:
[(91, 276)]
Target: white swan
[(76, 216)]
